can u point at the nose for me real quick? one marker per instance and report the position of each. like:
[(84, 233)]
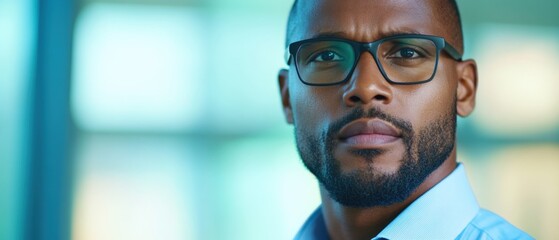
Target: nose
[(367, 84)]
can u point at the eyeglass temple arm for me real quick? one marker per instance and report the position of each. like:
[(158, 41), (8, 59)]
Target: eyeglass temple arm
[(287, 56), (452, 52)]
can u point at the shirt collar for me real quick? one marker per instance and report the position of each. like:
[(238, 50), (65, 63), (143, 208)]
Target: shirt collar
[(440, 213)]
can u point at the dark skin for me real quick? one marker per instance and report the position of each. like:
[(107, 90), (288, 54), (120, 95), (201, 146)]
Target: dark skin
[(314, 108)]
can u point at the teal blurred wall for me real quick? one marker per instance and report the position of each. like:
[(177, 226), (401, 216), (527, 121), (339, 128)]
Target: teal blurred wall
[(17, 37), (178, 130)]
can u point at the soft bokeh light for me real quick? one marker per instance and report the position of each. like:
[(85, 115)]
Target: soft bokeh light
[(243, 91), (264, 183), (519, 79), (136, 66), (134, 188)]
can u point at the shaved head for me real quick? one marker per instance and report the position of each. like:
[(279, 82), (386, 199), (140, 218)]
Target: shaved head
[(447, 12)]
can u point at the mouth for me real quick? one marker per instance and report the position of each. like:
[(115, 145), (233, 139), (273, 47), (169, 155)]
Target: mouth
[(369, 133)]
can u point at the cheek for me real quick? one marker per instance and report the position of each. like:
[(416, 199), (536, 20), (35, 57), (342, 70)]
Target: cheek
[(313, 108), (428, 102), (445, 85)]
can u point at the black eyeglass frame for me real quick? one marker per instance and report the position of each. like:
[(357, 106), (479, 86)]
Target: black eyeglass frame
[(372, 47)]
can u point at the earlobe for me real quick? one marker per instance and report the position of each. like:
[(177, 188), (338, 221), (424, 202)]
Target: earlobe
[(467, 87), (283, 79)]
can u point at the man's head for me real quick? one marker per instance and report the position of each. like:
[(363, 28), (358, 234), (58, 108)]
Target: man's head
[(369, 140)]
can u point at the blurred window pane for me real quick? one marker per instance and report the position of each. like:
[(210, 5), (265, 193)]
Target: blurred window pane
[(138, 67), (519, 80), (134, 188)]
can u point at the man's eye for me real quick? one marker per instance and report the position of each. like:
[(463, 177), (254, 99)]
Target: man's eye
[(327, 56), (406, 53)]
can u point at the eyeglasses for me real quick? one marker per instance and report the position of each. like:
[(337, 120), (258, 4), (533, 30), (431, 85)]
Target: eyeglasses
[(402, 59)]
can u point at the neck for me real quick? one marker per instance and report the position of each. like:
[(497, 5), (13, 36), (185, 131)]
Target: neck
[(345, 222)]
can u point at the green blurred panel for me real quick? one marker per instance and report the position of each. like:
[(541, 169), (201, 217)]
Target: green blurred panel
[(264, 190), (245, 55), (273, 6), (145, 187), (518, 80), (536, 13), (136, 188), (175, 69), (150, 2), (138, 68)]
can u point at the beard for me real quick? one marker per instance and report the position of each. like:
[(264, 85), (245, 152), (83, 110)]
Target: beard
[(424, 152)]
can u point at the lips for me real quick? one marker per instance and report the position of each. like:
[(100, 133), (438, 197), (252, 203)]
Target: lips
[(369, 133)]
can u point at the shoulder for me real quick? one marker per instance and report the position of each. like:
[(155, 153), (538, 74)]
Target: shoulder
[(314, 227), (490, 226)]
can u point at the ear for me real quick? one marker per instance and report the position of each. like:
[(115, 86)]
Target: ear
[(283, 79), (467, 87)]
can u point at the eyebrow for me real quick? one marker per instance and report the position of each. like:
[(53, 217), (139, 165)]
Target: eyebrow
[(380, 36)]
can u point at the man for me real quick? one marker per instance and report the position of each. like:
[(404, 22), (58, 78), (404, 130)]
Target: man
[(373, 90)]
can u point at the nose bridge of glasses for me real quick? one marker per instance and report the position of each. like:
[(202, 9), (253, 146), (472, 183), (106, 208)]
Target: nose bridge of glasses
[(367, 64), (370, 47), (367, 82)]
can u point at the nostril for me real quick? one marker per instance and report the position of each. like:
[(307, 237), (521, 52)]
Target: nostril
[(380, 97), (354, 99)]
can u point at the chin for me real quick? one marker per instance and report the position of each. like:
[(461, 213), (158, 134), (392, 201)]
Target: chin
[(381, 161)]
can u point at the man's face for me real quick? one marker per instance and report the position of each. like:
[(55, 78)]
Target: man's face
[(367, 141)]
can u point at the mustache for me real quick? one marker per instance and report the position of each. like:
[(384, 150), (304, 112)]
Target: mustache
[(404, 126)]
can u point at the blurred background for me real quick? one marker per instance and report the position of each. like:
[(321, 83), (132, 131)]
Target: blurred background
[(161, 119)]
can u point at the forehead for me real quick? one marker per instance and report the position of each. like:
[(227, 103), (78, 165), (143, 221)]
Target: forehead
[(367, 20)]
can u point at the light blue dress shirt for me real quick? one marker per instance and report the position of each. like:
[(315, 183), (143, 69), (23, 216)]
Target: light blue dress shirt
[(447, 211)]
